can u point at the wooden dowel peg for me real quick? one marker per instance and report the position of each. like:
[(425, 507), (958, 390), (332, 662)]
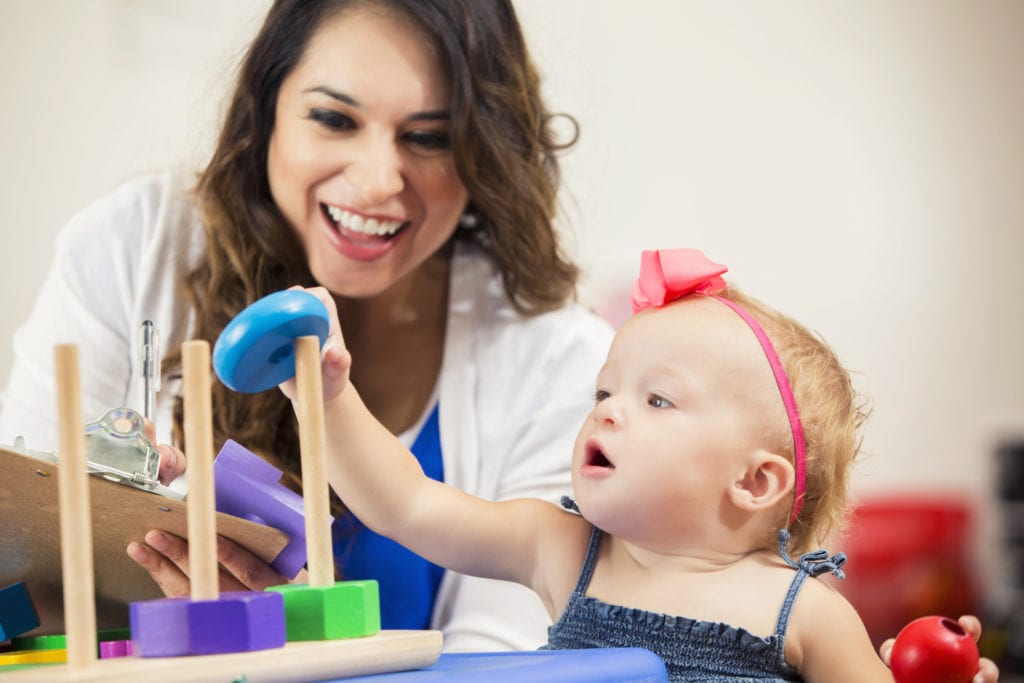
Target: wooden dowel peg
[(198, 428), (75, 514), (312, 445)]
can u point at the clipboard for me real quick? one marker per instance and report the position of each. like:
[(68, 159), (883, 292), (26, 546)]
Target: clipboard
[(30, 539)]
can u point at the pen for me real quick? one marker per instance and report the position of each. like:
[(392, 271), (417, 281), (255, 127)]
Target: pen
[(150, 361)]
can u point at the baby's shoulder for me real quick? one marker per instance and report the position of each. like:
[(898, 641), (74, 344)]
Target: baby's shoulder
[(827, 635), (821, 593), (822, 613)]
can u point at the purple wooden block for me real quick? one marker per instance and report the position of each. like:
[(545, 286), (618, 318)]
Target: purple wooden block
[(160, 627), (248, 486), (239, 621), (111, 649)]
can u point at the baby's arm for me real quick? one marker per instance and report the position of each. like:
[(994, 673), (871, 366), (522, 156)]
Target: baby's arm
[(829, 641), (382, 483)]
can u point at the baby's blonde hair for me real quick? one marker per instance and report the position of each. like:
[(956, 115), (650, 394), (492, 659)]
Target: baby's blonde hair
[(832, 414)]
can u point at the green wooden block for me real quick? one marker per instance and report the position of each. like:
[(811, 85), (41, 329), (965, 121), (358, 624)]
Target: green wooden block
[(107, 634), (48, 642), (348, 609), (59, 642)]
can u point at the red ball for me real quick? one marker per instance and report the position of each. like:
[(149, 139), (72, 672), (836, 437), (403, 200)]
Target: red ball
[(934, 650)]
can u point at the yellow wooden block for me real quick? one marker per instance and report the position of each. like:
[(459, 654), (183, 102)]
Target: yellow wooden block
[(34, 657)]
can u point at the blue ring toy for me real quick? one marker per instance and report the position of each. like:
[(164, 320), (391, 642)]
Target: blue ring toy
[(256, 351)]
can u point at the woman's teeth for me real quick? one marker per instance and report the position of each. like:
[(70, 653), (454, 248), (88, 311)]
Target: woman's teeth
[(361, 224)]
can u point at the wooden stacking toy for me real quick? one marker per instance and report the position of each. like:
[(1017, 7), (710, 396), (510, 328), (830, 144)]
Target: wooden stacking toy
[(208, 622), (272, 340), (294, 662)]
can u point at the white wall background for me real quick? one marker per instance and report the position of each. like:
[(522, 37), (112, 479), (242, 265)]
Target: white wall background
[(860, 164)]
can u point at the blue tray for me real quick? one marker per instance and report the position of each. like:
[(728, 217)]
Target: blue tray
[(538, 666)]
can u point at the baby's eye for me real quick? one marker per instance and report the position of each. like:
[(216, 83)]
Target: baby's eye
[(332, 120), (600, 395), (656, 401)]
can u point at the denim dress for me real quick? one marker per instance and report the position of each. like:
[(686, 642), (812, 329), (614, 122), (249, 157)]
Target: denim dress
[(700, 651)]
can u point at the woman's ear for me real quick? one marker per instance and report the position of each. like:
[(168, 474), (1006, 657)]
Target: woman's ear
[(767, 479)]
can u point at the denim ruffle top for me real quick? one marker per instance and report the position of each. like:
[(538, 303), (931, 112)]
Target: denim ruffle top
[(692, 650)]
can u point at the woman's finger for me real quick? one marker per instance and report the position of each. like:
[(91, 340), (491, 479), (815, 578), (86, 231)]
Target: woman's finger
[(172, 463), (249, 571), (149, 429), (173, 582)]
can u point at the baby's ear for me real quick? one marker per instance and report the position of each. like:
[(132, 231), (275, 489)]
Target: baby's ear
[(767, 479)]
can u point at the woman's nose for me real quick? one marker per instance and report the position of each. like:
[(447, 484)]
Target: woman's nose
[(377, 171)]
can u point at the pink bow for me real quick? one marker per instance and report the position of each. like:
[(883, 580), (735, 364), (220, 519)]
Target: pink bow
[(670, 274)]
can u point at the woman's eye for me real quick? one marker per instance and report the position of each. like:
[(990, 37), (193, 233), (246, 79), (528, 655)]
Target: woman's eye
[(331, 120), (429, 139), (656, 401), (600, 395)]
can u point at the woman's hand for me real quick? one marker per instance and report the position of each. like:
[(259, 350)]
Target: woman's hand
[(172, 461), (988, 672), (165, 557), (335, 360)]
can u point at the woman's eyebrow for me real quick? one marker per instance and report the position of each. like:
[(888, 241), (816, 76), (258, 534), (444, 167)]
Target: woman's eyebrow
[(438, 115), (334, 94)]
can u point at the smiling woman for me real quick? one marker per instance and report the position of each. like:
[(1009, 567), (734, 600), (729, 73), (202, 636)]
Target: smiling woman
[(364, 173), (397, 153)]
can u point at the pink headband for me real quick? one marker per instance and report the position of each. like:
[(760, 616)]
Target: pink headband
[(670, 274)]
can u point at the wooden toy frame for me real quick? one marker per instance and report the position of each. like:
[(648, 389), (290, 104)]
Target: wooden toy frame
[(299, 661)]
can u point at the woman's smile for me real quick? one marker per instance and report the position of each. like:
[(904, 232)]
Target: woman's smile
[(359, 236)]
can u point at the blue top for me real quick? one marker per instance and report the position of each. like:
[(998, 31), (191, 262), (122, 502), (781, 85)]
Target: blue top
[(408, 583), (693, 650)]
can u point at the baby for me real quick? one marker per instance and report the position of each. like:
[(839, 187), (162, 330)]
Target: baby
[(715, 458)]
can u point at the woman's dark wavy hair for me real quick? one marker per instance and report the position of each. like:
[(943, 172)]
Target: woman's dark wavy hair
[(504, 150)]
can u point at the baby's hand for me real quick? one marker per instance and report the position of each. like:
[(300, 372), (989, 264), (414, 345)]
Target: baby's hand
[(335, 360), (988, 672)]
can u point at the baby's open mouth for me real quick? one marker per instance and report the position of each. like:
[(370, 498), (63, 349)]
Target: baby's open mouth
[(357, 228), (595, 457)]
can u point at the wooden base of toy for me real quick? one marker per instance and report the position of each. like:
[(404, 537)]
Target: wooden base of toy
[(301, 662)]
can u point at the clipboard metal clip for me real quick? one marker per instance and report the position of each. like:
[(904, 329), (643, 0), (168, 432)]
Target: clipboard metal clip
[(118, 450)]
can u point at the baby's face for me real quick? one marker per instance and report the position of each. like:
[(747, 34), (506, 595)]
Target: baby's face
[(684, 396)]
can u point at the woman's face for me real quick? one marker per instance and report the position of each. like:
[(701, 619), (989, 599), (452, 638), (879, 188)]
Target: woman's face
[(359, 160)]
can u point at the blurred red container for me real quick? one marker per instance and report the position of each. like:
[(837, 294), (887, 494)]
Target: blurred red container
[(908, 557)]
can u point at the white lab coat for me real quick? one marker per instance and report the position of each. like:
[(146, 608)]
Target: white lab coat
[(513, 390)]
